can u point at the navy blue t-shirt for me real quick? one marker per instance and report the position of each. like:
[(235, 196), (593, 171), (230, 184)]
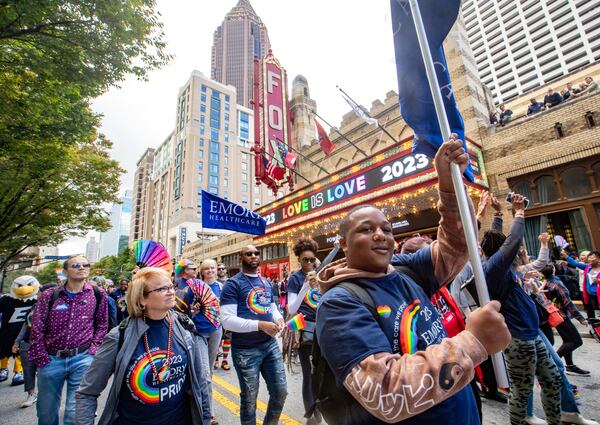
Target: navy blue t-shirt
[(311, 299), (407, 322), (145, 400), (253, 297)]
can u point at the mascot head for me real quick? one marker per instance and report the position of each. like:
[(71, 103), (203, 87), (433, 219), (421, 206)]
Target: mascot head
[(25, 288)]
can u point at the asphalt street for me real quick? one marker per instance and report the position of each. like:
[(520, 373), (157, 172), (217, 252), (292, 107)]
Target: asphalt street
[(226, 396)]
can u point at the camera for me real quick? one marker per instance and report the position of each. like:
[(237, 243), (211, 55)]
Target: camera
[(509, 199)]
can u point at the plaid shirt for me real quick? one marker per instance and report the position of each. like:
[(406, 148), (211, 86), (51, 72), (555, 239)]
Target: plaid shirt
[(559, 294)]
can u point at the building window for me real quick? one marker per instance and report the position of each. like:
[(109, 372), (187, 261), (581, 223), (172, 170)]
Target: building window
[(213, 190), (201, 143), (244, 166), (201, 153), (226, 98), (226, 117), (575, 182), (226, 127), (226, 160), (225, 194), (244, 187), (589, 119), (227, 106), (257, 202), (203, 97), (200, 177), (226, 137), (256, 190), (244, 199), (201, 128), (199, 203), (203, 108), (214, 157), (202, 119), (226, 171), (214, 146), (546, 189), (245, 177), (213, 180), (214, 135), (214, 169), (225, 182), (203, 88), (558, 129), (523, 188), (226, 149), (200, 165)]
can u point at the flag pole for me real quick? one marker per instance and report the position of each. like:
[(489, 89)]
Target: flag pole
[(339, 132), (457, 179), (369, 115), (293, 171), (305, 157)]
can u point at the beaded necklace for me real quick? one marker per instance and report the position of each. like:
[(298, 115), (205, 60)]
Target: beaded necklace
[(162, 374)]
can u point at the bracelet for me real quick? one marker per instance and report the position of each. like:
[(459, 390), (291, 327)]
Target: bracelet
[(498, 214)]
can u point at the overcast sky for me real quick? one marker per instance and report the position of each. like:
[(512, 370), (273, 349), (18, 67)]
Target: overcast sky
[(331, 42)]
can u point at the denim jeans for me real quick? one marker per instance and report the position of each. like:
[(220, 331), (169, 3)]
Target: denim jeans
[(249, 364), (51, 379), (567, 400)]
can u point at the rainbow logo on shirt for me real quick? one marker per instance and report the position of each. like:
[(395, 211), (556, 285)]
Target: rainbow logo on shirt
[(142, 373), (312, 298), (122, 304), (257, 302), (384, 311), (408, 328)]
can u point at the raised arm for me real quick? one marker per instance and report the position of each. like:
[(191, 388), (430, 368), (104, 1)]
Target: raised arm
[(543, 257), (449, 252)]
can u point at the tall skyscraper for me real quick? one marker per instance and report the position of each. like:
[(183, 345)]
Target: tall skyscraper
[(211, 152), (236, 42), (91, 249), (520, 45), (117, 237), (140, 209)]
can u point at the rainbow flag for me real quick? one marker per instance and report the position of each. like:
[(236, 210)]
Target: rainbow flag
[(296, 323)]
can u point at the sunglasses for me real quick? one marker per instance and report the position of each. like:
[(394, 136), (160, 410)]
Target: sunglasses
[(162, 290), (221, 268), (253, 253), (309, 259), (191, 268), (80, 266)]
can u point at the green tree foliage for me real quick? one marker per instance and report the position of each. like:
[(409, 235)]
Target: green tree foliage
[(47, 273), (115, 267), (55, 55), (93, 44)]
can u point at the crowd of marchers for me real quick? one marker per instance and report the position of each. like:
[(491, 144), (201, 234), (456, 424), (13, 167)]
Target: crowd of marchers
[(389, 334)]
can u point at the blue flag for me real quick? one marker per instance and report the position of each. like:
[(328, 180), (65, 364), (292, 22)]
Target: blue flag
[(416, 102), (218, 213)]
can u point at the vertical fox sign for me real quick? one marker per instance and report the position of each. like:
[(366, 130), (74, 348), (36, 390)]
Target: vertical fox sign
[(271, 124)]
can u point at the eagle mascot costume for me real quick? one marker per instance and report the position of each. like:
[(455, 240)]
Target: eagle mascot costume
[(14, 308)]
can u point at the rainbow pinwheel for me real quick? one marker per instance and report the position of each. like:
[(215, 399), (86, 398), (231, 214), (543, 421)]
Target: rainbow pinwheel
[(152, 254)]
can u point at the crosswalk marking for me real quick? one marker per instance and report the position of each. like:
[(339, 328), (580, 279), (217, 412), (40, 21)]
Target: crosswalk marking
[(284, 419)]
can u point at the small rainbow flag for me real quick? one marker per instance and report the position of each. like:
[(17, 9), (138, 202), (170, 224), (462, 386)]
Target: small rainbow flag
[(296, 323), (384, 311)]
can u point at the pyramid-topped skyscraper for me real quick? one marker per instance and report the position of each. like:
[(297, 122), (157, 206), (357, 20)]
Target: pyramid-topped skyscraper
[(236, 42)]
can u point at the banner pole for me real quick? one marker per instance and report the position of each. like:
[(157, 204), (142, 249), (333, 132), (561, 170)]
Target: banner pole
[(340, 133), (457, 179)]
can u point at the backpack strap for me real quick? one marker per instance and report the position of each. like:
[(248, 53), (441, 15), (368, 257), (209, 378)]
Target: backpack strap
[(362, 294), (54, 297), (408, 271), (98, 296), (122, 327)]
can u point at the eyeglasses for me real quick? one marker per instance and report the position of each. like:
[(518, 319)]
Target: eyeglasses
[(309, 259), (80, 266), (162, 290), (253, 253), (191, 268), (221, 268)]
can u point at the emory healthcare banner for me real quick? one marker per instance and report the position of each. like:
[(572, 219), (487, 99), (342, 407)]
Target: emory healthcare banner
[(416, 102), (218, 213)]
